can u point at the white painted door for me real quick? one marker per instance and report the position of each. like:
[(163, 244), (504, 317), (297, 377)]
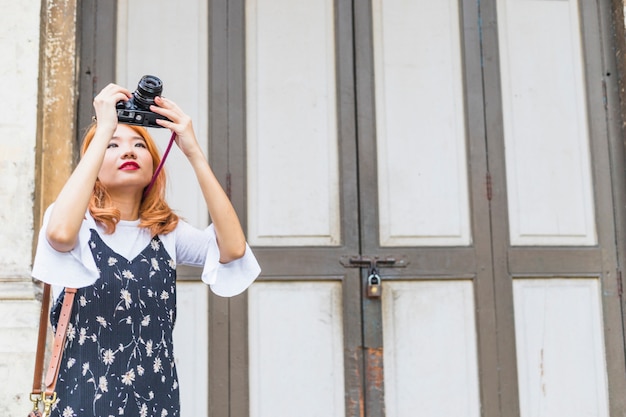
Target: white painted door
[(549, 133), (357, 148), (474, 169)]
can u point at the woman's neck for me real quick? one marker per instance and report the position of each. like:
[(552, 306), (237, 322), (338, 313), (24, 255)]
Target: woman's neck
[(128, 205)]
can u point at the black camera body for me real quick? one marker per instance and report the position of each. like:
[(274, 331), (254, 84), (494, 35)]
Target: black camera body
[(136, 110)]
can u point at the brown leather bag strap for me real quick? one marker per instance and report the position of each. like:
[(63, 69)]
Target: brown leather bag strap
[(41, 340), (59, 341)]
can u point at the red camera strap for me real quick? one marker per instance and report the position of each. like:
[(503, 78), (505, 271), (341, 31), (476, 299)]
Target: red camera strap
[(167, 151)]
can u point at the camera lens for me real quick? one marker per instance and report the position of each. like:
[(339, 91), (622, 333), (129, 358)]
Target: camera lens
[(149, 87)]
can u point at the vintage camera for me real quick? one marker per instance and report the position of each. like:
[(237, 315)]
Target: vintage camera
[(136, 111)]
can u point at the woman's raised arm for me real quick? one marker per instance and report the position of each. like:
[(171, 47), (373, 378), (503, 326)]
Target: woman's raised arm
[(72, 202), (230, 237)]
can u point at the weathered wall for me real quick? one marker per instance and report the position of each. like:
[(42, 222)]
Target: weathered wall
[(37, 148), (19, 68)]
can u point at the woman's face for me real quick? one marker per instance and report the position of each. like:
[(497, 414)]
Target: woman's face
[(127, 163)]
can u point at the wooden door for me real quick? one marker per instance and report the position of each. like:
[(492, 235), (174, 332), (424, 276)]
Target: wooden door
[(329, 189), (491, 202), (424, 195)]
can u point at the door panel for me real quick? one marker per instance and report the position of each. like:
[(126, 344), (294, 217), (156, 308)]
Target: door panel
[(192, 342), (561, 362), (291, 115), (296, 348), (546, 134), (430, 349), (420, 124)]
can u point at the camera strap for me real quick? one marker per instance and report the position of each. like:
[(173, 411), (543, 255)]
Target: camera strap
[(156, 172)]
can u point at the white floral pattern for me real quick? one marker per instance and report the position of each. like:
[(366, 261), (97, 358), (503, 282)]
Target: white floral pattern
[(120, 338)]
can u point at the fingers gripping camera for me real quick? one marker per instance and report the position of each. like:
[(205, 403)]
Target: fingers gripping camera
[(136, 111)]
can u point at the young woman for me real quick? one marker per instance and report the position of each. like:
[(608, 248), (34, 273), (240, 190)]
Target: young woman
[(120, 248)]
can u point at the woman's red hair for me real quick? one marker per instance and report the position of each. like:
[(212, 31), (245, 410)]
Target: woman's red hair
[(154, 212)]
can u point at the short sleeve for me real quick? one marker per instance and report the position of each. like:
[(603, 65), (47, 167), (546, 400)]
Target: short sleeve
[(74, 269), (199, 248)]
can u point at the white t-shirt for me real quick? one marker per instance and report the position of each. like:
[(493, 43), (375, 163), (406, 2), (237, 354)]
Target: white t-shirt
[(186, 245)]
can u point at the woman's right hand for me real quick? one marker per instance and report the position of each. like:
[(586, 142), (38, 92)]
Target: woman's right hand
[(104, 105)]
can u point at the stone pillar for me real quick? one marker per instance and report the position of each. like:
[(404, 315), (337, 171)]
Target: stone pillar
[(37, 148)]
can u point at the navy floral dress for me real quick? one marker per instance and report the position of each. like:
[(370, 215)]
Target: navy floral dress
[(118, 358)]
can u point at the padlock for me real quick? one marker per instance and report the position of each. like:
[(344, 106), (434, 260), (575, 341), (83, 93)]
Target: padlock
[(374, 288)]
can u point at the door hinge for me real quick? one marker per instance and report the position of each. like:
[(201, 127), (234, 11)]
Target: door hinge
[(620, 288), (488, 185)]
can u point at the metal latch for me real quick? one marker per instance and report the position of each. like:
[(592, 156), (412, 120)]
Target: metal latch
[(374, 281)]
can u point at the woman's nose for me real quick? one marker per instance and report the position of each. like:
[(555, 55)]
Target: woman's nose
[(129, 154)]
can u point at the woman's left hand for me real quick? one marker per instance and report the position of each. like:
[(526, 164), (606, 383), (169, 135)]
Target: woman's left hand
[(180, 123)]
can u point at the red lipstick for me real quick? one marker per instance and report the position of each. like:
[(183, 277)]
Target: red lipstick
[(128, 166)]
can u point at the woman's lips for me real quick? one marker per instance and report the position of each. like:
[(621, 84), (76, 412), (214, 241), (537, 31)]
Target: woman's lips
[(129, 166)]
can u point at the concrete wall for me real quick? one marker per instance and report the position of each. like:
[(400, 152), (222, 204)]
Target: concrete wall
[(19, 308)]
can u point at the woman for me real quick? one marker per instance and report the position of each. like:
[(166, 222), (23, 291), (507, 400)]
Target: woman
[(120, 248)]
